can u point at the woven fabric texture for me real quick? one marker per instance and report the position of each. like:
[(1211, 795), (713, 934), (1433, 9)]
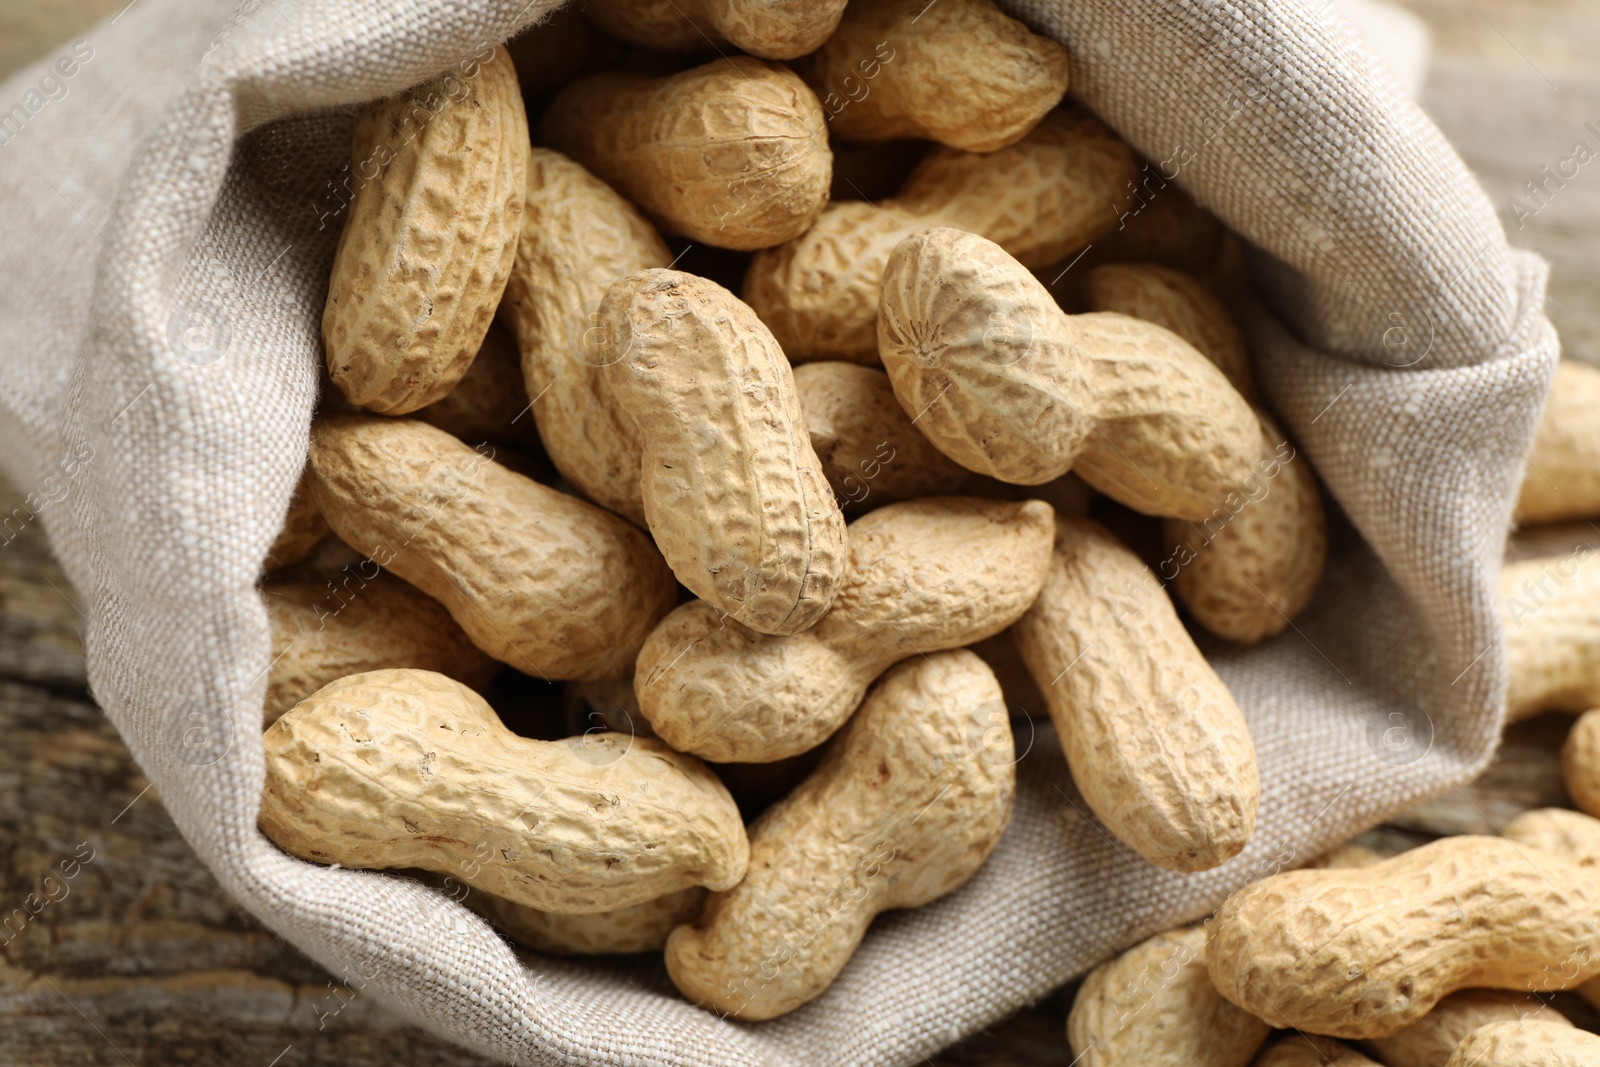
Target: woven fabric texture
[(175, 199)]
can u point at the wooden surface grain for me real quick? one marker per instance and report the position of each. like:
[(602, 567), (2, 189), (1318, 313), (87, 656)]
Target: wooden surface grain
[(142, 959)]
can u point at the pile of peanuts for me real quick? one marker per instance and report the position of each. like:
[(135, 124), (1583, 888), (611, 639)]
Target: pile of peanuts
[(798, 556)]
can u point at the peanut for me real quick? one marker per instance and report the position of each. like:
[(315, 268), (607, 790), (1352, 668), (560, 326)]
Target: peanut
[(902, 70), (537, 579), (1537, 1042), (772, 30), (429, 236), (1552, 634), (923, 576), (1155, 223), (578, 236), (405, 768), (734, 153), (733, 493), (1155, 742), (1155, 1005), (1572, 835), (489, 403), (1300, 1050), (1365, 953), (369, 621), (870, 451), (1580, 762), (1563, 476), (1007, 384), (1430, 1041), (1040, 199), (637, 928), (908, 802), (303, 530)]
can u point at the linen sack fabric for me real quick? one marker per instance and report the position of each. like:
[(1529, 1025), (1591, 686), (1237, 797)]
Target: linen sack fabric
[(170, 222)]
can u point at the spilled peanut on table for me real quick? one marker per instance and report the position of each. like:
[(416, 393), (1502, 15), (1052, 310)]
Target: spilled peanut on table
[(775, 407)]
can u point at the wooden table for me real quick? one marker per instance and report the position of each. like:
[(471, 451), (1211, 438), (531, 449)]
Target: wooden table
[(147, 961)]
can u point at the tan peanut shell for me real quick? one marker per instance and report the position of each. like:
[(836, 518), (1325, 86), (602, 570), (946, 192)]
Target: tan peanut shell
[(1154, 740), (538, 579), (1431, 1040), (1534, 1042), (359, 620), (1563, 476), (1040, 199), (908, 70), (1178, 301), (772, 29), (1304, 1050), (1007, 384), (733, 493), (923, 576), (1251, 566), (871, 452), (303, 530), (1551, 611), (406, 768), (1155, 1005), (1572, 835), (908, 802), (1348, 854), (637, 928), (578, 236), (488, 404), (1365, 953), (1580, 762), (733, 153), (429, 236)]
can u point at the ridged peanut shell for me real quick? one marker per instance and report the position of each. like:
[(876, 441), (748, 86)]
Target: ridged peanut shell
[(1431, 1040), (637, 928), (1154, 740), (408, 768), (733, 493), (1365, 953), (1251, 566), (578, 237), (428, 238), (1550, 608), (488, 403), (908, 802), (1580, 762), (1154, 1005), (1572, 835), (1302, 1050), (733, 153), (923, 576), (906, 70), (1535, 1042), (772, 29), (303, 530), (1039, 199), (1007, 384), (1563, 476), (538, 579), (870, 451), (357, 621)]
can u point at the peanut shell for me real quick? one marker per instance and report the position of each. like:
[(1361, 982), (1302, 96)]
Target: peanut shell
[(1430, 1041), (489, 404), (637, 928), (1563, 476), (1552, 625), (1538, 1042), (773, 30), (303, 530)]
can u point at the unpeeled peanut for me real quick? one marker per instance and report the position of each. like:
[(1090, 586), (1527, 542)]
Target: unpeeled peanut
[(360, 620), (1155, 1005), (578, 236), (303, 530), (1580, 762), (733, 493), (871, 452), (489, 403), (1430, 1041), (908, 802), (1537, 1042), (772, 29), (638, 928), (1551, 612), (406, 768), (429, 236), (1572, 835), (1154, 740), (923, 576), (1563, 476), (734, 153), (538, 579), (1007, 384), (904, 70), (1040, 199), (1365, 953), (1302, 1050)]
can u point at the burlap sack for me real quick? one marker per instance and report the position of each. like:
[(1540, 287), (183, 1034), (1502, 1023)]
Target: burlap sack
[(169, 203)]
